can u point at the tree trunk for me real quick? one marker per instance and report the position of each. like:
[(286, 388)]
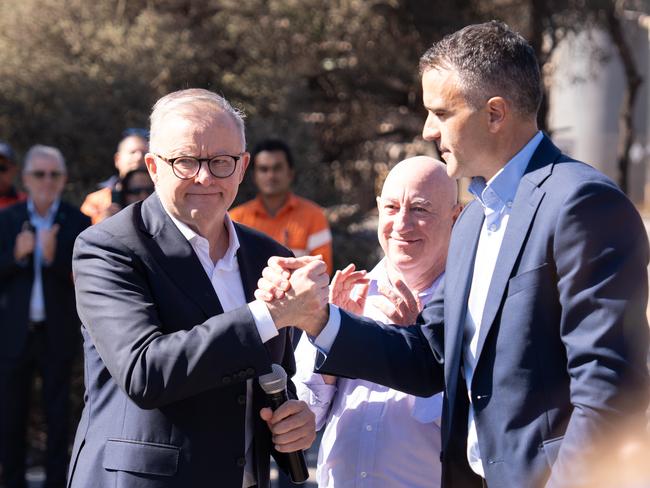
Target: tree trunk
[(633, 82)]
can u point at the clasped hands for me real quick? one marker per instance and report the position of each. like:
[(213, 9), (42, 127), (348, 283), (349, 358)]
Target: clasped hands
[(296, 293)]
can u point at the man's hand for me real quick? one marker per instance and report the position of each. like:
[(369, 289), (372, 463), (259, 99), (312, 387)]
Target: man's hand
[(109, 211), (341, 288), (48, 242), (300, 299), (25, 242), (398, 303), (292, 425)]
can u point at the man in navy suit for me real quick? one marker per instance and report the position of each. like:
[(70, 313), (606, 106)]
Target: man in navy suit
[(39, 327), (539, 336), (172, 347)]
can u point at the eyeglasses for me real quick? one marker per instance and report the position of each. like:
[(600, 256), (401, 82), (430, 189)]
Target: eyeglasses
[(187, 167), (40, 174), (139, 190)]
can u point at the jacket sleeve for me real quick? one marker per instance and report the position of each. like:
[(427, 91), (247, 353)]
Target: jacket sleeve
[(155, 367)]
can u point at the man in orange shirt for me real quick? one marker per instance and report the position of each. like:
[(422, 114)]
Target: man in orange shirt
[(295, 222), (129, 156)]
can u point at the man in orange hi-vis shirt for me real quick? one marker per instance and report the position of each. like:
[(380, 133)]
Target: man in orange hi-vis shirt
[(295, 222)]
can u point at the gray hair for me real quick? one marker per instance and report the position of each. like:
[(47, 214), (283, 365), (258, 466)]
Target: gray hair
[(41, 151), (185, 102), (491, 60)]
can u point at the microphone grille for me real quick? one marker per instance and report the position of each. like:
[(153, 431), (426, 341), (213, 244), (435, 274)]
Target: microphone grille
[(275, 381)]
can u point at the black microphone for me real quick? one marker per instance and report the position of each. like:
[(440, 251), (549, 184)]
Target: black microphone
[(274, 385)]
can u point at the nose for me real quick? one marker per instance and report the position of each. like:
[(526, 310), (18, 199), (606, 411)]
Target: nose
[(430, 131), (402, 220), (204, 177)]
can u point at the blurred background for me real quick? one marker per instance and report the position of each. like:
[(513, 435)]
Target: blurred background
[(336, 79)]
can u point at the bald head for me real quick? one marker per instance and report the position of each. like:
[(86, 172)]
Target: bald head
[(417, 209), (424, 173)]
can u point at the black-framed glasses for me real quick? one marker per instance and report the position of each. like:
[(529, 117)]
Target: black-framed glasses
[(187, 167), (40, 174)]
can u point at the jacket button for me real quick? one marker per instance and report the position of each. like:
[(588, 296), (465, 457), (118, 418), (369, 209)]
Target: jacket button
[(250, 372), (226, 380), (241, 462), (241, 399)]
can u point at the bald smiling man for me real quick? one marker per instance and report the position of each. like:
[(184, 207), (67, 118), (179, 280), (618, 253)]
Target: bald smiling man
[(375, 434)]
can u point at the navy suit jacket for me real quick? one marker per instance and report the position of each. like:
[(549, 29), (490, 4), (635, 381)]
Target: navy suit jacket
[(166, 368), (563, 340), (17, 279)]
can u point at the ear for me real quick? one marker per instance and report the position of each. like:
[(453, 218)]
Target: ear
[(456, 212), (151, 163), (245, 161), (497, 110)]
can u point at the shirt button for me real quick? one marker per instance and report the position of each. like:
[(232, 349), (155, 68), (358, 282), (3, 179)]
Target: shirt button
[(493, 227), (364, 474), (368, 427), (509, 204)]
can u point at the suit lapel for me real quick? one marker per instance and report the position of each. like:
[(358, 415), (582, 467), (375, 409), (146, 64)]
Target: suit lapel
[(176, 258), (249, 275), (458, 278), (524, 208)]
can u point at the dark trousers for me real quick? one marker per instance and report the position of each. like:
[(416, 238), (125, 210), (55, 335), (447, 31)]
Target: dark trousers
[(19, 377)]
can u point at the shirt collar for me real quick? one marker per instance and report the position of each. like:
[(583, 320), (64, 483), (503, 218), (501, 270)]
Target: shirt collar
[(288, 205), (51, 212), (501, 189), (229, 259)]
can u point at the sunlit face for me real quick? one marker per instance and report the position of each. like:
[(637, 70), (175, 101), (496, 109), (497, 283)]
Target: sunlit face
[(272, 174), (44, 180), (460, 131), (202, 200), (130, 154), (7, 174), (414, 223)]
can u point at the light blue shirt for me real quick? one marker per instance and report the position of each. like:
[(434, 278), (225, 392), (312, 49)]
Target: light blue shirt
[(37, 300), (496, 197), (375, 436)]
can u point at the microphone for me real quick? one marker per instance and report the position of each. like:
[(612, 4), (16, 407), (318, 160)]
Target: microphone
[(274, 385)]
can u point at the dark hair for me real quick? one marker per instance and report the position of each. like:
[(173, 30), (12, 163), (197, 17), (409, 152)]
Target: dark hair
[(272, 145), (126, 181), (491, 60)]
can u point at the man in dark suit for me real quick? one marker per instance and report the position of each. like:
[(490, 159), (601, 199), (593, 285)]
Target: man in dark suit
[(172, 350), (38, 322), (539, 337)]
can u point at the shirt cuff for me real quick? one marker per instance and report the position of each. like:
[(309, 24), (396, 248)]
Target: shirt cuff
[(325, 339), (263, 320)]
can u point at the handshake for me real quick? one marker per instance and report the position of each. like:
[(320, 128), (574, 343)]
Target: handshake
[(296, 292)]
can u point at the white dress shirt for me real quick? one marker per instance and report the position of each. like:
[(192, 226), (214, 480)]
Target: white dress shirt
[(226, 281), (375, 436)]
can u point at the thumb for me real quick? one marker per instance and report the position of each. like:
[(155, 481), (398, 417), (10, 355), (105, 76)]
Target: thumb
[(266, 414)]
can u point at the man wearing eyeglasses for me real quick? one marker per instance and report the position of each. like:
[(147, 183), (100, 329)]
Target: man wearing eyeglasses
[(174, 341), (8, 169), (38, 321), (107, 200)]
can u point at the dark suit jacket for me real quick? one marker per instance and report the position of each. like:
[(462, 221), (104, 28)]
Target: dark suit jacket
[(58, 290), (166, 368), (563, 340)]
